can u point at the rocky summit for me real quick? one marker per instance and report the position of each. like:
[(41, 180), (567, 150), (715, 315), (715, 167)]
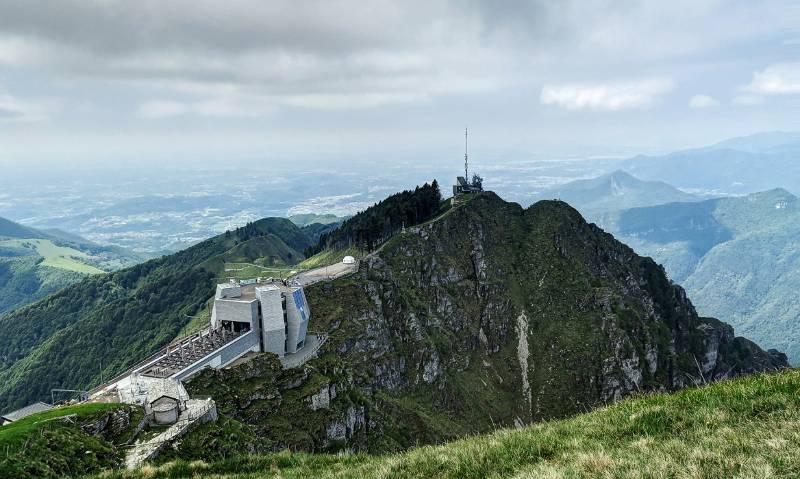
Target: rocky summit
[(489, 315)]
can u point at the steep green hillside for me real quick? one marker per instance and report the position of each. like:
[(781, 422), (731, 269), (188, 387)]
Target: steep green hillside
[(746, 428), (316, 230), (739, 259), (68, 441), (9, 229), (23, 279), (115, 319), (36, 263), (612, 192), (489, 316)]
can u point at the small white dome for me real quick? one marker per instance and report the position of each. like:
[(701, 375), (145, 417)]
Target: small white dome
[(349, 260)]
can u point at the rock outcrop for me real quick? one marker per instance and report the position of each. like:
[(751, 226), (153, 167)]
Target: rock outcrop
[(492, 315)]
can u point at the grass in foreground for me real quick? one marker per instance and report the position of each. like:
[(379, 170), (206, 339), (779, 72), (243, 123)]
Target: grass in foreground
[(746, 428)]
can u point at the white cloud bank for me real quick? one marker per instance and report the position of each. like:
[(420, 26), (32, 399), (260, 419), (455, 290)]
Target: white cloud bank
[(606, 97), (777, 79), (703, 101)]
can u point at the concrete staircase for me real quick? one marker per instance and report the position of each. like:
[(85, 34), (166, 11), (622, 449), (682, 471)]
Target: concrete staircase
[(198, 411)]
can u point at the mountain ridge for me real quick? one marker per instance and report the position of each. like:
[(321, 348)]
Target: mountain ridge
[(614, 191), (736, 257), (735, 166), (490, 315)]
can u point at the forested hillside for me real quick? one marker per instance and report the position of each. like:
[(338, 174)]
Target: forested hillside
[(10, 229), (377, 223), (36, 263), (113, 320), (737, 257)]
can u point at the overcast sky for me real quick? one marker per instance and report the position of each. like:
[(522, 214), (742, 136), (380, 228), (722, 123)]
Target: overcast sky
[(133, 82)]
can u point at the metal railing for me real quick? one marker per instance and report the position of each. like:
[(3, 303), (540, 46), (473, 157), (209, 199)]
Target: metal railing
[(152, 357)]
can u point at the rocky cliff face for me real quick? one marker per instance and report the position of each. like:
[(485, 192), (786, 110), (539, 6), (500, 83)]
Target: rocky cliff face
[(492, 315)]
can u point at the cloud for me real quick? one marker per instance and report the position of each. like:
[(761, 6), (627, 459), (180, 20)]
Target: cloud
[(16, 109), (748, 100), (606, 97), (161, 109), (221, 107), (385, 53), (379, 74), (777, 79), (703, 101)]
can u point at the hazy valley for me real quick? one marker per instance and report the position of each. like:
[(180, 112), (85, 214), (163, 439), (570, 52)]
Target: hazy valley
[(399, 240)]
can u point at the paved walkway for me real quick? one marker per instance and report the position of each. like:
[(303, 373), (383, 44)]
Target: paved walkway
[(316, 275), (310, 350)]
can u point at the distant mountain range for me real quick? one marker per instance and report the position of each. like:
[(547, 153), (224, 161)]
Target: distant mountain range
[(736, 166), (614, 191), (35, 263), (305, 219), (737, 257)]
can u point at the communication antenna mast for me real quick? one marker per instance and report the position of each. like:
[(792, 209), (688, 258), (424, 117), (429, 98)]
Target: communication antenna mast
[(466, 164)]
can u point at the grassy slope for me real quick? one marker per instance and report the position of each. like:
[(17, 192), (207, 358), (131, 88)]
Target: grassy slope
[(263, 256), (41, 445), (747, 427), (328, 257), (56, 256)]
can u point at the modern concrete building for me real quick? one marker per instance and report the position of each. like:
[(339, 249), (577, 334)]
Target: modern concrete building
[(278, 314), (247, 317)]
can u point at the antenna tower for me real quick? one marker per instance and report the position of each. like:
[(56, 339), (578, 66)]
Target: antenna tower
[(466, 164)]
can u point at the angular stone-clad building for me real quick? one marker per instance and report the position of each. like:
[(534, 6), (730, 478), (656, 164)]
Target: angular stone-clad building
[(276, 312), (247, 317)]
